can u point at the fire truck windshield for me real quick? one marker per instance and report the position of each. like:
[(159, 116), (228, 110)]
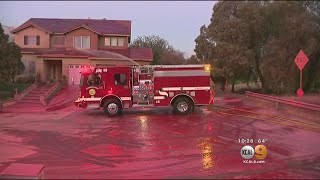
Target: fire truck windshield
[(94, 80)]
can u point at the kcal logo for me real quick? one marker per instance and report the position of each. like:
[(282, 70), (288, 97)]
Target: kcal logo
[(260, 152)]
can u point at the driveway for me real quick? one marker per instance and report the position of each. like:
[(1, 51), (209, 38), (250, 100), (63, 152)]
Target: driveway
[(154, 143)]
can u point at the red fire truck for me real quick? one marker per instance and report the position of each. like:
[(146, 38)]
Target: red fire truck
[(120, 87)]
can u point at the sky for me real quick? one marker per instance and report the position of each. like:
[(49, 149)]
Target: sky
[(178, 22)]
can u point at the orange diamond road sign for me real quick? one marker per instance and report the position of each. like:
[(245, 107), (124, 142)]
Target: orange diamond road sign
[(301, 60)]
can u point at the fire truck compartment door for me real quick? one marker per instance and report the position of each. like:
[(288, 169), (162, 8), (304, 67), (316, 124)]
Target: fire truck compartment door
[(121, 79)]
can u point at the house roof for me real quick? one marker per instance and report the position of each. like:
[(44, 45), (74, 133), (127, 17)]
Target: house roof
[(135, 53), (125, 54), (99, 26)]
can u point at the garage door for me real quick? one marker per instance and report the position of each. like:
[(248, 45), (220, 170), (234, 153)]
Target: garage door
[(75, 74)]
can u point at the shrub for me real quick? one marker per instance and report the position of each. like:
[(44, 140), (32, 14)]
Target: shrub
[(4, 95), (26, 79)]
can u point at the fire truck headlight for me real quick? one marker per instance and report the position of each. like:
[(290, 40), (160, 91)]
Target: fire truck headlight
[(207, 67)]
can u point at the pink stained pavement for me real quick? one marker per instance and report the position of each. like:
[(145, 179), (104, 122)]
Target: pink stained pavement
[(22, 170)]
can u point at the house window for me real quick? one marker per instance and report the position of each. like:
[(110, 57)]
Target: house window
[(120, 41), (107, 41), (120, 79), (81, 42), (58, 40), (32, 40), (114, 41)]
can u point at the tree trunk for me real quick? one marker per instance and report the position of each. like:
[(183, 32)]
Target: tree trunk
[(263, 82), (12, 78), (232, 89), (312, 74), (248, 77), (226, 85)]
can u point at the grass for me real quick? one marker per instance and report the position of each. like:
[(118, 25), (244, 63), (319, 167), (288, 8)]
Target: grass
[(240, 88), (7, 90)]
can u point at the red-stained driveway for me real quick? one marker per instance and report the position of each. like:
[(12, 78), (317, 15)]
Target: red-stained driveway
[(154, 143)]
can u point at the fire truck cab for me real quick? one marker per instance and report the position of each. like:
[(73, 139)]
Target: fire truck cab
[(119, 87)]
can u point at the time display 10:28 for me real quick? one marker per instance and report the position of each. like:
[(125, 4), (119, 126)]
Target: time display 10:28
[(248, 141)]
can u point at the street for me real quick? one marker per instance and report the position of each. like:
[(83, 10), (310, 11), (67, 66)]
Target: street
[(154, 143)]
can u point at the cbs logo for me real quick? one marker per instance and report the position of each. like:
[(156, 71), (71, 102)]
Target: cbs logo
[(260, 152)]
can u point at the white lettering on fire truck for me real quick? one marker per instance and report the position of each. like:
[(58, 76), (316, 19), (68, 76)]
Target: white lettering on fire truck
[(98, 70), (92, 87)]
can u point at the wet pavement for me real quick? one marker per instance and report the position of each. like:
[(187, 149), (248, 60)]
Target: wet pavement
[(154, 143)]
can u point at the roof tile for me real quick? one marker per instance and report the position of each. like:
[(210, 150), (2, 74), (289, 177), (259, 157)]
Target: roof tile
[(102, 26)]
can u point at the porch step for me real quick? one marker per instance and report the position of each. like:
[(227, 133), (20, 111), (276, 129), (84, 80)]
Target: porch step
[(24, 105), (37, 98), (32, 99), (40, 90), (29, 101), (33, 95)]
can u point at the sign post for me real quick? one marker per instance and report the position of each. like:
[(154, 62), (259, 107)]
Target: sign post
[(301, 60)]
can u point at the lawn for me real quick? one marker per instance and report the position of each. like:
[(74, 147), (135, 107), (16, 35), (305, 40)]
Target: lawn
[(7, 90)]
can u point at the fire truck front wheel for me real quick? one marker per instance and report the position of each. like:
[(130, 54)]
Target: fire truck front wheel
[(112, 107), (182, 106)]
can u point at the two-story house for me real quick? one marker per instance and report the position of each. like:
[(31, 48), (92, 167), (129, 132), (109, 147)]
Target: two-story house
[(57, 47)]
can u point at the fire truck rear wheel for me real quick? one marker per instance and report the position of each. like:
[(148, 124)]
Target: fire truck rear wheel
[(182, 106), (112, 107)]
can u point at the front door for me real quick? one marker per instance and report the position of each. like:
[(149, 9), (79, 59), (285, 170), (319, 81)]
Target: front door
[(53, 70)]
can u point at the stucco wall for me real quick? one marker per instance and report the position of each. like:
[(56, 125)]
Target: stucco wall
[(32, 31), (82, 32), (42, 68), (29, 61)]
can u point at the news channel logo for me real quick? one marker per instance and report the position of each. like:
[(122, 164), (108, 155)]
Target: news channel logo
[(259, 153)]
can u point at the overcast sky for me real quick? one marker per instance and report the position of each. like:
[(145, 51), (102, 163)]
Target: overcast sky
[(178, 22)]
